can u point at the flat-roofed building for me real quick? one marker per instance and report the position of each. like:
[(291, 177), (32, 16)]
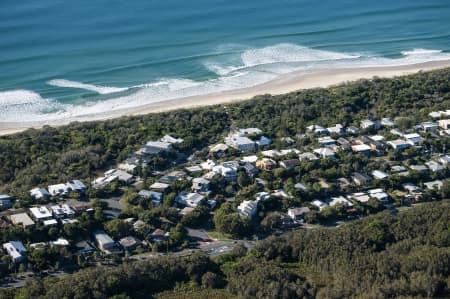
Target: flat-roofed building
[(21, 219), (40, 213)]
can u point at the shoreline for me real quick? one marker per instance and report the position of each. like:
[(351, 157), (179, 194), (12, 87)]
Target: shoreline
[(281, 85)]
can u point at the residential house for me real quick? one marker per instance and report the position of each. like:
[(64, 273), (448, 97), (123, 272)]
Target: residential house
[(444, 124), (419, 168), (361, 179), (340, 200), (399, 144), (379, 194), (39, 193), (266, 164), (194, 169), (200, 185), (368, 124), (445, 159), (248, 208), (105, 242), (413, 138), (379, 175), (76, 186), (298, 213), (319, 204), (326, 141), (227, 171), (128, 167), (21, 219), (344, 144), (337, 129), (429, 126), (16, 250), (171, 140), (130, 243), (159, 235), (317, 130), (359, 196), (307, 156), (41, 213), (325, 152), (63, 210), (58, 190), (353, 130), (155, 197), (434, 166), (239, 141), (5, 201), (218, 150), (363, 149), (437, 184), (288, 164), (300, 186), (271, 153), (250, 169), (387, 122), (263, 141), (192, 200), (208, 165), (262, 196), (152, 148)]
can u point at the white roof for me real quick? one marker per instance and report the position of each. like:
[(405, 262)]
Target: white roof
[(320, 204), (324, 152), (60, 242), (378, 174), (50, 222), (247, 131), (361, 148), (339, 200), (39, 192), (170, 139), (271, 153), (159, 144), (40, 212), (250, 159), (377, 137), (159, 186), (431, 185)]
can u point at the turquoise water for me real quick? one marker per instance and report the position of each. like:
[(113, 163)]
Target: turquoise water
[(61, 59)]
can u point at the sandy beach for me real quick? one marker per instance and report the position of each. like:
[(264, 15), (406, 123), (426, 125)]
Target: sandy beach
[(284, 84)]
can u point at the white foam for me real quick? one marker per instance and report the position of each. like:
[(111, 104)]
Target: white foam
[(247, 68), (91, 87), (25, 105)]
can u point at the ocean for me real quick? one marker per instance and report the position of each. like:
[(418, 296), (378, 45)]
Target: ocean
[(65, 59)]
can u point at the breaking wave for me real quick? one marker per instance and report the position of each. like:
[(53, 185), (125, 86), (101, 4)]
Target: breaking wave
[(232, 70)]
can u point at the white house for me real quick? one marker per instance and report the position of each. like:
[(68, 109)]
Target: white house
[(297, 213), (379, 194), (105, 242), (63, 210), (434, 166), (387, 122), (39, 193), (434, 184), (58, 189), (429, 126), (170, 139), (320, 204), (226, 170), (248, 208), (16, 250), (341, 200), (379, 175), (41, 213), (399, 144), (241, 143), (192, 200), (263, 140), (325, 152), (413, 138), (444, 124)]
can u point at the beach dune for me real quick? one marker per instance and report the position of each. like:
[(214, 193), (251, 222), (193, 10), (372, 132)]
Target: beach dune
[(284, 84)]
